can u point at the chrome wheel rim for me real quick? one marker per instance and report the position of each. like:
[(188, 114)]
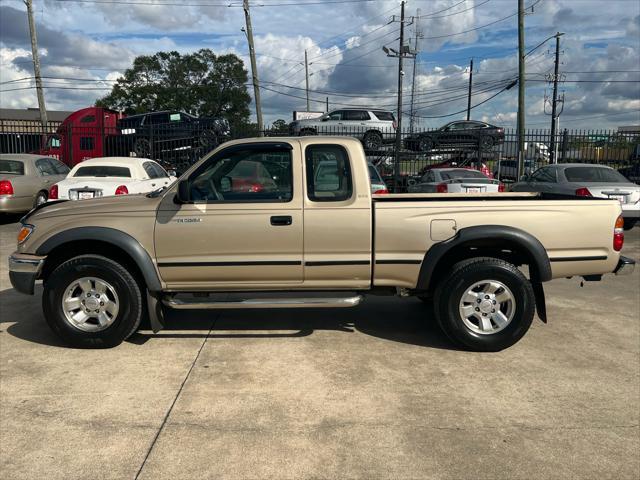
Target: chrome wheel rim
[(487, 307), (40, 199), (90, 304)]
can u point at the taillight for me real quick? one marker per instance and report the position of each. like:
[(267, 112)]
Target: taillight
[(382, 191), (618, 234), (53, 192), (583, 192), (122, 190), (255, 188), (442, 188), (501, 187), (6, 188)]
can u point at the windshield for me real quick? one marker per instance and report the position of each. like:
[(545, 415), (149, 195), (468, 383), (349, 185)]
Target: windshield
[(103, 171), (594, 175), (12, 166), (374, 176), (461, 173)]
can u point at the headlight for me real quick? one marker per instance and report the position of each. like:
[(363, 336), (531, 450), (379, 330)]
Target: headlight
[(25, 232)]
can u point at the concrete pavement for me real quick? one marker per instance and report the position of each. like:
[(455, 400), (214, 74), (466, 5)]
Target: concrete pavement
[(370, 392)]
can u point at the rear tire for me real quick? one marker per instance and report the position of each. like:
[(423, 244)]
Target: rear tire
[(478, 316), (629, 223), (96, 282), (40, 198), (372, 141), (425, 144)]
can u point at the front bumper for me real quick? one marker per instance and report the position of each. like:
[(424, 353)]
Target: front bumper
[(24, 270), (625, 266)]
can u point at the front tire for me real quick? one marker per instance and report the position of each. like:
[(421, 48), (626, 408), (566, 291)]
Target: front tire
[(484, 304), (91, 301), (372, 141)]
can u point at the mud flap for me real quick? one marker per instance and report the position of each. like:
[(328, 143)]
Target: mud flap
[(541, 306), (156, 314)]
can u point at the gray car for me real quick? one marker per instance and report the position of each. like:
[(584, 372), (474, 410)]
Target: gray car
[(373, 127), (25, 180), (586, 180)]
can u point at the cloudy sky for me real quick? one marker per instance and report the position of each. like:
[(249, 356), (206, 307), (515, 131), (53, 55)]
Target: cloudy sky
[(86, 44)]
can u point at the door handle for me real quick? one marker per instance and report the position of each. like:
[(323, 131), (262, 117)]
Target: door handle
[(281, 221)]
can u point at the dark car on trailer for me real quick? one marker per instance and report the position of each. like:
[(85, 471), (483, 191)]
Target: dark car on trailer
[(458, 134), (161, 134)]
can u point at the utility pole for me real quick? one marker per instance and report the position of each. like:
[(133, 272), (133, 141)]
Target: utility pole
[(470, 88), (415, 61), (36, 65), (521, 88), (554, 114), (306, 72), (254, 68)]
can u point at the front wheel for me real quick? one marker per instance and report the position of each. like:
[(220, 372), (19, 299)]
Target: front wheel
[(91, 301), (485, 304), (372, 141)]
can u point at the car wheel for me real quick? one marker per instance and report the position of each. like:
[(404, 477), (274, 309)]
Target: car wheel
[(91, 301), (486, 142), (484, 304), (142, 147), (40, 199), (425, 144), (629, 223), (372, 141), (208, 138)]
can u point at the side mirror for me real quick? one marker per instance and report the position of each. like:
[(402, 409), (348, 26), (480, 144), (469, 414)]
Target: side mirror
[(172, 173), (184, 192)]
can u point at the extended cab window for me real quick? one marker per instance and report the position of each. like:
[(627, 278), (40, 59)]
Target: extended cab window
[(250, 175), (328, 173)]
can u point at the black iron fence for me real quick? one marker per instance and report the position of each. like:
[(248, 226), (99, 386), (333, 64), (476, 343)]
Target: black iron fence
[(179, 146)]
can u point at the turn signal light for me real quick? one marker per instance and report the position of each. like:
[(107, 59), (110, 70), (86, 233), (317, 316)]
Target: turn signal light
[(583, 192), (24, 233), (122, 190), (53, 192), (382, 191), (618, 234), (6, 188), (501, 187), (442, 188)]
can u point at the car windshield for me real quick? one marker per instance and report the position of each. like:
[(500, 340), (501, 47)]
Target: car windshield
[(103, 171), (461, 173), (374, 176), (12, 166), (594, 175)]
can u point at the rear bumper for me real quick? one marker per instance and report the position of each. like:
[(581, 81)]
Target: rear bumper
[(12, 204), (625, 266), (24, 270)]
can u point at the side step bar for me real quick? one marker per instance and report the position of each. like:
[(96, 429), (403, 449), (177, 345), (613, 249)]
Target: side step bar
[(200, 304)]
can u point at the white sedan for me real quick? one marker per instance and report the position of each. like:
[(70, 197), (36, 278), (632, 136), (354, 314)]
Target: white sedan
[(102, 177), (455, 180)]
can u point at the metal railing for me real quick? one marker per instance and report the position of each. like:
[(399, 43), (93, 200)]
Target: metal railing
[(179, 146)]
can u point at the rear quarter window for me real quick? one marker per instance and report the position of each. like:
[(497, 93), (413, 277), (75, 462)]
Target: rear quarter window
[(13, 167), (384, 116)]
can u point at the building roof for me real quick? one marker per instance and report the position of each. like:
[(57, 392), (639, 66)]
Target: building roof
[(30, 114)]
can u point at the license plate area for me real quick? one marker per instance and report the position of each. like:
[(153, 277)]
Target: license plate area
[(620, 198), (473, 189), (84, 194)]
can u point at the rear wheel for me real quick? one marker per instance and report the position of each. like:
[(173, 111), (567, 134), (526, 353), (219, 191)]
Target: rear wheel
[(91, 301), (40, 198), (629, 223), (425, 144), (486, 142), (484, 304), (142, 147), (372, 141)]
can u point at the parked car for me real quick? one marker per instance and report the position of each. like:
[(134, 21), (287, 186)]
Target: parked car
[(632, 172), (156, 132), (471, 163), (25, 180), (586, 180), (103, 177), (378, 186), (455, 180), (371, 126), (309, 247), (508, 169), (463, 133)]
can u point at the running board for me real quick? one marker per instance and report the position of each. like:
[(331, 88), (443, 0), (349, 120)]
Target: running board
[(200, 304)]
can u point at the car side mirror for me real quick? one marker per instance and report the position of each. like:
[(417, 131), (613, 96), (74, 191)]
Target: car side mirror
[(172, 173), (184, 192)]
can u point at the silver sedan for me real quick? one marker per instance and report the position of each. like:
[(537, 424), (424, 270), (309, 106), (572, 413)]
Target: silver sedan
[(25, 180), (455, 180), (586, 180)]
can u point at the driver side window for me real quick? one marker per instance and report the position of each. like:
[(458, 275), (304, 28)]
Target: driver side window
[(248, 175)]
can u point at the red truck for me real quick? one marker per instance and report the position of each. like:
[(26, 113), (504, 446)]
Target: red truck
[(87, 133)]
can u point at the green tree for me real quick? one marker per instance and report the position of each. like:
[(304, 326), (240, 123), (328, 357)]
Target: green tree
[(199, 83), (280, 126)]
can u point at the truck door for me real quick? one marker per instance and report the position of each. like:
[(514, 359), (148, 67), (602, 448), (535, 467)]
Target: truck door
[(244, 223), (337, 218)]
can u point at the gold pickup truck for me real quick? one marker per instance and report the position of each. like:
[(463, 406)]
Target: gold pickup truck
[(292, 223)]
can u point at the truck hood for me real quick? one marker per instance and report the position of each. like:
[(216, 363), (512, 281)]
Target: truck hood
[(114, 204)]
